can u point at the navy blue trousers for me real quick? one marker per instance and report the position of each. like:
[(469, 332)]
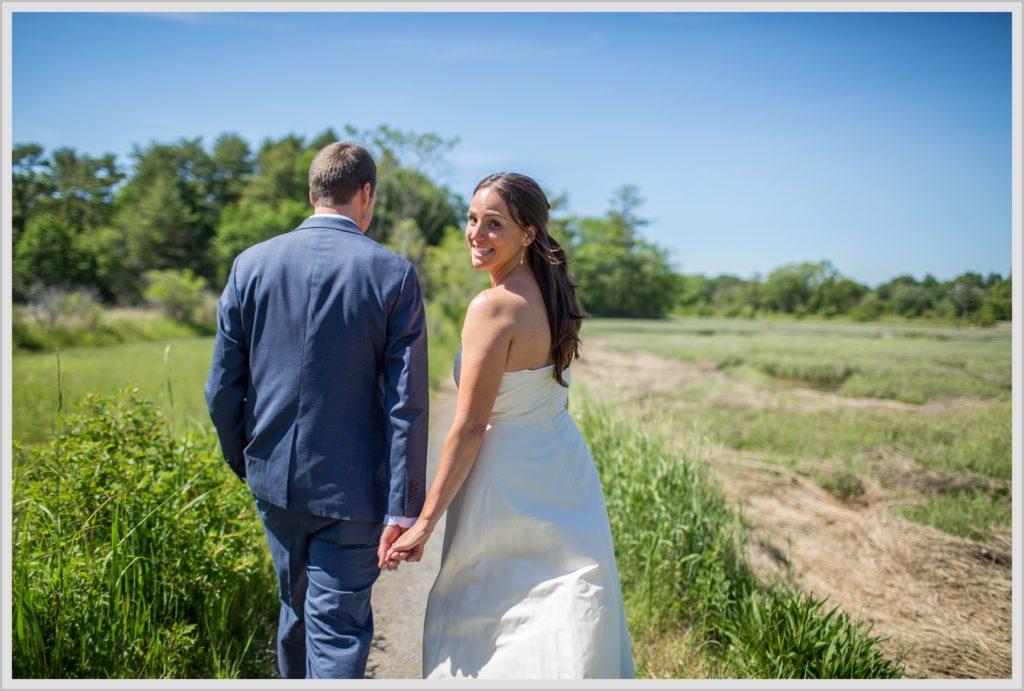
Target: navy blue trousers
[(325, 570)]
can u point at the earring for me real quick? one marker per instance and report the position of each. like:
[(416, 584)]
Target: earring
[(522, 257)]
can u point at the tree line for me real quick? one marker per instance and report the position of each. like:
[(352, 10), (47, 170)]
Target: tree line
[(169, 223), (817, 288)]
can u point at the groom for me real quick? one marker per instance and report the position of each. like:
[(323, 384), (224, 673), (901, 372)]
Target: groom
[(318, 391)]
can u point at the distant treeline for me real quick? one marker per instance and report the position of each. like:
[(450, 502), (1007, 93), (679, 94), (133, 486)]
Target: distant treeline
[(818, 289), (167, 226)]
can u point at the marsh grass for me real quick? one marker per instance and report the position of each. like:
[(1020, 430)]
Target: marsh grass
[(962, 375), (913, 364), (975, 439), (970, 513), (678, 549), (841, 484)]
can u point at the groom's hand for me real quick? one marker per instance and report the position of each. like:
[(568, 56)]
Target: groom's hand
[(387, 538), (410, 546)]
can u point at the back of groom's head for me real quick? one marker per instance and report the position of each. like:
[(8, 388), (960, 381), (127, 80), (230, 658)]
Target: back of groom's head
[(338, 171)]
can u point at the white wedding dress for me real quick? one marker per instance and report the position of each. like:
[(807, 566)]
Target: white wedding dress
[(528, 587)]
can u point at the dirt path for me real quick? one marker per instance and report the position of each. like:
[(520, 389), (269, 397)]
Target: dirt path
[(400, 597), (944, 600)]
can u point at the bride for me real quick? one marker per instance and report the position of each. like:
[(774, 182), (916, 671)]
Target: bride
[(528, 586)]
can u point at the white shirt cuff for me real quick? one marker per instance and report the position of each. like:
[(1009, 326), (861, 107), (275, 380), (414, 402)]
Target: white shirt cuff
[(401, 521)]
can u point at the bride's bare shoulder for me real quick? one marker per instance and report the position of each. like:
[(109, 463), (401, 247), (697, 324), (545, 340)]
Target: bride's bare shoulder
[(495, 303)]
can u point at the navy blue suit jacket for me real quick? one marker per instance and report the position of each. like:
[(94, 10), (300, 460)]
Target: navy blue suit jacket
[(318, 385)]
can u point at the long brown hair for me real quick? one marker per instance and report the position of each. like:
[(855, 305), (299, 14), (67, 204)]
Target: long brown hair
[(529, 206)]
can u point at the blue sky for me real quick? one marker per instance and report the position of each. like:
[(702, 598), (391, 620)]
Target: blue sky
[(879, 141)]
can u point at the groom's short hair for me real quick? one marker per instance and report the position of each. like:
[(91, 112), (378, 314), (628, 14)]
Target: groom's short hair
[(340, 170)]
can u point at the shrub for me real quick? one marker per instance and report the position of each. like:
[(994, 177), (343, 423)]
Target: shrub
[(180, 294), (52, 306), (135, 554)]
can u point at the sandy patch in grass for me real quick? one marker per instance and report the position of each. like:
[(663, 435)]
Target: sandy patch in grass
[(638, 376)]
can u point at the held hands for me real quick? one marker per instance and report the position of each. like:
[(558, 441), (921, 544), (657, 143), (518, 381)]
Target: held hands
[(407, 545), (387, 538)]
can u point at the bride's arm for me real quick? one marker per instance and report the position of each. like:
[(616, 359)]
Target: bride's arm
[(486, 337)]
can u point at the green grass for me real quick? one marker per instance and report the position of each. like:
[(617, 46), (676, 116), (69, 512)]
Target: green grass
[(678, 549), (143, 365), (106, 370), (443, 338), (964, 513), (136, 552), (913, 364), (676, 538), (753, 406), (975, 439), (97, 328), (841, 484)]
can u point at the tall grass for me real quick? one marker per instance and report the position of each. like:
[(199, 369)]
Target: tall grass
[(679, 552), (100, 328), (136, 554), (444, 338)]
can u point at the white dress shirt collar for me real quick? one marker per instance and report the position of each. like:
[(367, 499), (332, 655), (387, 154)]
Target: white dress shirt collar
[(334, 216)]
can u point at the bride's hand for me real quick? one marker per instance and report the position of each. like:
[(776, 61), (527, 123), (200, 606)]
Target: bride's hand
[(409, 547)]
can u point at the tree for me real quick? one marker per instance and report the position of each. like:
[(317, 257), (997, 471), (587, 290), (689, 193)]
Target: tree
[(162, 231), (447, 277), (810, 288), (282, 171), (910, 300), (30, 185), (232, 167), (250, 222), (693, 293), (788, 288), (408, 163), (869, 308), (83, 188), (965, 295), (619, 273), (997, 304), (407, 241), (102, 261), (45, 254)]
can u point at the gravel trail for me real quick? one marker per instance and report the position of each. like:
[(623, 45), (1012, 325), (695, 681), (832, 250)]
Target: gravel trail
[(400, 596)]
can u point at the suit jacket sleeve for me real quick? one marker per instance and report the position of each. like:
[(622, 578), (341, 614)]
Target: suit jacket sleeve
[(228, 382), (406, 399)]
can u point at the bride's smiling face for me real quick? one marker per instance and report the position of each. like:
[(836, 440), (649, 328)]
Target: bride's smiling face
[(496, 242)]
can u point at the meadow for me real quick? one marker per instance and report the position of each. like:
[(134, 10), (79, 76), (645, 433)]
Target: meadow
[(939, 397), (843, 402), (168, 367), (170, 373)]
